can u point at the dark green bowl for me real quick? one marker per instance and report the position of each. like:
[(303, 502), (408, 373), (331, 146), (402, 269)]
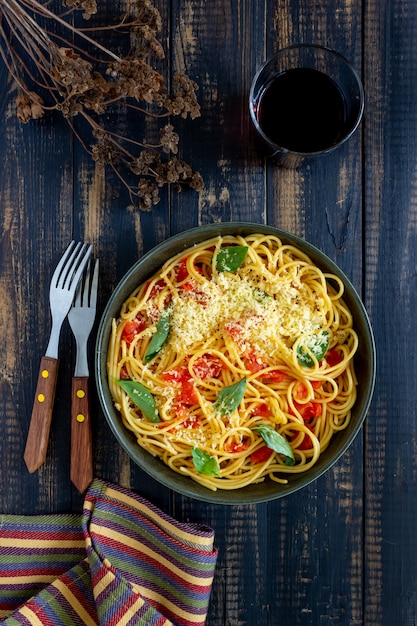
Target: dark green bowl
[(269, 490)]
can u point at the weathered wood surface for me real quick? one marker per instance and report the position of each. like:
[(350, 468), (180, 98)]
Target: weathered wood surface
[(344, 550)]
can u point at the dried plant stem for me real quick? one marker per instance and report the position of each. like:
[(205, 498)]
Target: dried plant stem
[(41, 9), (87, 78)]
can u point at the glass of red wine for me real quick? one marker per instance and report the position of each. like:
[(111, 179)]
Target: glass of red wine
[(306, 101)]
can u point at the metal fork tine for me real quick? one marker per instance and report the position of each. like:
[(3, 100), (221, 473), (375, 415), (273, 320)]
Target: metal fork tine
[(88, 286), (76, 266), (61, 296), (79, 293), (77, 299), (94, 286), (62, 263)]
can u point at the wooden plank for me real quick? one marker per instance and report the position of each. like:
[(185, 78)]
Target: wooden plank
[(35, 222), (391, 202), (241, 591), (219, 45), (36, 228)]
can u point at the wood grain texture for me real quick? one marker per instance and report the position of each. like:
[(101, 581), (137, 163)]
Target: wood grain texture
[(81, 460), (391, 550), (342, 552), (40, 421)]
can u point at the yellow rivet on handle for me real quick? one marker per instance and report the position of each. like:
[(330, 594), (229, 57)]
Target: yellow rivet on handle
[(80, 393), (45, 373), (41, 397), (80, 417)]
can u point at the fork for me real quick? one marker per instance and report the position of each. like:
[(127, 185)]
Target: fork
[(61, 294), (81, 319)]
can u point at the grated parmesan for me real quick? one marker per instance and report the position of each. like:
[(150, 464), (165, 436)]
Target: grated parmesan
[(266, 320)]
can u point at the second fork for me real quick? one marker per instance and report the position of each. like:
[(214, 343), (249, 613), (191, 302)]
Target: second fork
[(61, 293), (81, 319)]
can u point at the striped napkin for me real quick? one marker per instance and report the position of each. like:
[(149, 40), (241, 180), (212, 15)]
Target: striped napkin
[(123, 562)]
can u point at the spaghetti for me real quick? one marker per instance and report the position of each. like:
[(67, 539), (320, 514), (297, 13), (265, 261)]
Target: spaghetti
[(234, 363)]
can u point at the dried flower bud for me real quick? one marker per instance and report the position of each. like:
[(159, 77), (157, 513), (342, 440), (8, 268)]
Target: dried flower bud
[(103, 152), (72, 72), (169, 139), (183, 101), (88, 6), (197, 182), (137, 79), (148, 194), (146, 161), (29, 106), (145, 28)]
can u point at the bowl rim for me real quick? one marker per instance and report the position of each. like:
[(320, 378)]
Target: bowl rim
[(153, 466)]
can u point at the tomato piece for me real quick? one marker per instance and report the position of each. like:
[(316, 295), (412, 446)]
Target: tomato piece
[(235, 329), (274, 376), (316, 384), (262, 410), (253, 361), (181, 411), (132, 328), (172, 376), (181, 270), (187, 393), (124, 374), (235, 447), (157, 288), (333, 357), (208, 366), (261, 455), (302, 389), (317, 409), (192, 421), (189, 286), (309, 410)]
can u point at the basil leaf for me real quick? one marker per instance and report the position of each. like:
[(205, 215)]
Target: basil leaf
[(204, 463), (229, 398), (276, 442), (159, 337), (230, 258), (142, 398), (317, 344)]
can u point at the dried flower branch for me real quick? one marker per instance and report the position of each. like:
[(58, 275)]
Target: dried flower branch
[(83, 79)]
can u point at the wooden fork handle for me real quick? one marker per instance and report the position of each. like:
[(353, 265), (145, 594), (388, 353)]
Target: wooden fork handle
[(40, 422), (81, 438)]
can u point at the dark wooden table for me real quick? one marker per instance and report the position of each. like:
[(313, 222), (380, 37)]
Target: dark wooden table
[(344, 550)]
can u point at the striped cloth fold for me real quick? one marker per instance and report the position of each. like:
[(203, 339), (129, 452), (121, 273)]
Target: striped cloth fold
[(123, 562)]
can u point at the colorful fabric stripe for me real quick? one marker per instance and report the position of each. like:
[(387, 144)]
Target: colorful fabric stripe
[(123, 562)]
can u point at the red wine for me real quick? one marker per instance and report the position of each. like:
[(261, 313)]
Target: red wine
[(302, 110)]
